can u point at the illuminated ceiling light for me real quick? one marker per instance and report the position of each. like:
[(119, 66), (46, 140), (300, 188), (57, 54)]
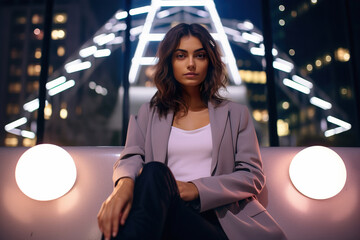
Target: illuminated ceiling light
[(231, 31), (103, 39), (136, 30), (283, 65), (27, 134), (15, 124), (302, 81), (55, 82), (324, 179), (163, 14), (246, 25), (292, 52), (338, 122), (328, 58), (282, 22), (32, 105), (117, 40), (334, 131), (121, 15), (61, 87), (281, 8), (320, 103), (251, 37), (313, 1), (309, 67), (45, 172), (257, 51), (296, 86), (318, 63), (86, 52), (102, 53), (78, 66), (119, 27), (139, 10)]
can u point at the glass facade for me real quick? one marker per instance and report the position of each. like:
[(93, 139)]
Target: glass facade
[(315, 52)]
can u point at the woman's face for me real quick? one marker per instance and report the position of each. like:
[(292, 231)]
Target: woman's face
[(190, 62)]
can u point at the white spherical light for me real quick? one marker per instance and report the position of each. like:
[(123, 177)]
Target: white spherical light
[(45, 172), (318, 172)]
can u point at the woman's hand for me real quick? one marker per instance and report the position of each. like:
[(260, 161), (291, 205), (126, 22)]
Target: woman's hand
[(188, 191), (116, 208)]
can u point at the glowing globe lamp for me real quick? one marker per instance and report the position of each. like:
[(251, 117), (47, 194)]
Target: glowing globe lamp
[(318, 172), (45, 172)]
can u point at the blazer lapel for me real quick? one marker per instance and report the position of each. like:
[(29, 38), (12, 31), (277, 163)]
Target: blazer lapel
[(218, 118), (160, 136)]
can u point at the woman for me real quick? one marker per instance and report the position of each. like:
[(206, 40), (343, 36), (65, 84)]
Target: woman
[(191, 165)]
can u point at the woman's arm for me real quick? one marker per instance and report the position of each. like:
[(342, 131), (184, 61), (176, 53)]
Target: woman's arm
[(247, 178), (132, 157)]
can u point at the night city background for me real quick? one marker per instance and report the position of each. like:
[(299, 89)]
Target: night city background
[(315, 51)]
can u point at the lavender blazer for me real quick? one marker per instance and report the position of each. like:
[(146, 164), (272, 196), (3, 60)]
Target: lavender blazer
[(236, 167)]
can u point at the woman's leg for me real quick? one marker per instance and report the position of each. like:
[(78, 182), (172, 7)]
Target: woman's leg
[(158, 212)]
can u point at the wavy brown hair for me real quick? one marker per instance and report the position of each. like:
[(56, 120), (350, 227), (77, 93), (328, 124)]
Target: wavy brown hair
[(170, 94)]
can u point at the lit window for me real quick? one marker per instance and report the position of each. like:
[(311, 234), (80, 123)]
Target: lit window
[(37, 54), (282, 128), (20, 20), (14, 87), (294, 14), (47, 111), (11, 141), (34, 69), (12, 109), (36, 19), (60, 18), (27, 142), (60, 51), (342, 54), (15, 70), (57, 34), (32, 86), (15, 53)]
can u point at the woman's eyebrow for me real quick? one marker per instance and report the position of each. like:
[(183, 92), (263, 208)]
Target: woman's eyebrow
[(183, 50)]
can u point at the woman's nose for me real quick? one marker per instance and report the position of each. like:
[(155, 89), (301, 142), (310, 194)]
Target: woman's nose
[(191, 63)]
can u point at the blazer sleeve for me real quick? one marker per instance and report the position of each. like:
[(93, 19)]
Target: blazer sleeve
[(132, 157), (247, 178)]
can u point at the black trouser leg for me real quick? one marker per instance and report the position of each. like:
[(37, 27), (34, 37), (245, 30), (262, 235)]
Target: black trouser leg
[(159, 212)]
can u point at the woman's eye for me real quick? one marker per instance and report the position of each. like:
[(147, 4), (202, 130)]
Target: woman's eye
[(180, 55), (201, 55)]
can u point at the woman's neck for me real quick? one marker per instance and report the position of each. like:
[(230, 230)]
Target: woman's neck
[(193, 99)]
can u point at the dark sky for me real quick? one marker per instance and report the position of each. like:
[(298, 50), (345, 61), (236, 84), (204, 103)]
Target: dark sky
[(229, 9)]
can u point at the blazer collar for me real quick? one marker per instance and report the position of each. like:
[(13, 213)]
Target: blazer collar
[(161, 128)]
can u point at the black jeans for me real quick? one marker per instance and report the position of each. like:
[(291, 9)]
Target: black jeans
[(158, 212)]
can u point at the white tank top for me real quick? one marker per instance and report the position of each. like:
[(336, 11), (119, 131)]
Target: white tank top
[(190, 153)]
